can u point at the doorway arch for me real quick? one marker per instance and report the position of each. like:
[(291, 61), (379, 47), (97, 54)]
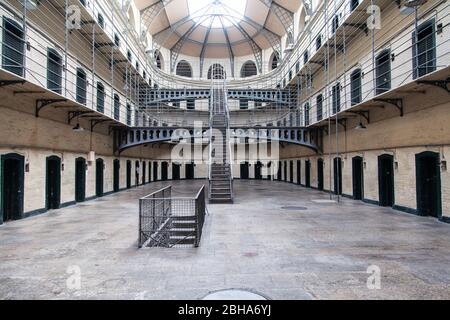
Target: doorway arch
[(386, 180), (80, 179), (358, 178), (53, 183), (12, 186), (428, 184), (99, 172)]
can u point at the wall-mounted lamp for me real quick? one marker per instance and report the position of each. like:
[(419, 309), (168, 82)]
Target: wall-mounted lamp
[(444, 165)]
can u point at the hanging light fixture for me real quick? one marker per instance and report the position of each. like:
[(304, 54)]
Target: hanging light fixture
[(78, 128), (361, 125)]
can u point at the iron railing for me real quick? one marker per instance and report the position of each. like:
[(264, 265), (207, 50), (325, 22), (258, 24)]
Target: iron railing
[(166, 221)]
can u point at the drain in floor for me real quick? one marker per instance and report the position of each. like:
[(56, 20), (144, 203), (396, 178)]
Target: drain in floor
[(294, 208), (234, 294)]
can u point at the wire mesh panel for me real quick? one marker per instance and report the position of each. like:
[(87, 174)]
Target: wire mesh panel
[(166, 221)]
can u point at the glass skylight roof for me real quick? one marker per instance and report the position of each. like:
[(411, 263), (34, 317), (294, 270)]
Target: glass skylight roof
[(217, 13)]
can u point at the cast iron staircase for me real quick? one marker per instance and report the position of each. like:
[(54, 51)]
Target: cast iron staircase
[(220, 168)]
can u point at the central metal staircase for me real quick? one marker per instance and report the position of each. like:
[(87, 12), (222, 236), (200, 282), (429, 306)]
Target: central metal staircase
[(220, 164)]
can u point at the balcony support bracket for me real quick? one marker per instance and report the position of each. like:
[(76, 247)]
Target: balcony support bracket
[(443, 84), (398, 103), (42, 103)]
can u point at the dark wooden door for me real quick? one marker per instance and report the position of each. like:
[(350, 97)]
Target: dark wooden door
[(53, 183), (386, 180), (80, 180)]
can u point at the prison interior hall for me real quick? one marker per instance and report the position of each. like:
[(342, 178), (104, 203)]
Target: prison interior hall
[(212, 149)]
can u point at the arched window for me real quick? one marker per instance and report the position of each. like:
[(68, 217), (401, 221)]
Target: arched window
[(100, 97), (184, 69), (289, 40), (13, 47), (274, 60), (249, 69), (128, 114), (306, 112), (424, 52), (159, 61), (81, 86), (54, 71), (302, 22), (355, 87), (336, 93), (319, 107), (216, 72), (116, 107), (383, 71)]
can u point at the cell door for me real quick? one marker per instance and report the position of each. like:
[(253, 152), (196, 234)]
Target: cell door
[(164, 171), (258, 168), (337, 175), (80, 180), (357, 173), (155, 171), (128, 174), (386, 180), (190, 174), (285, 170), (99, 171), (53, 183), (428, 184), (176, 171), (144, 172), (307, 174), (149, 171), (12, 186), (279, 173), (244, 170), (116, 175), (299, 172), (291, 171), (137, 169), (320, 174)]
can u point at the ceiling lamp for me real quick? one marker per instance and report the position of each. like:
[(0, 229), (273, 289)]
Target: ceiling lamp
[(78, 128), (360, 126)]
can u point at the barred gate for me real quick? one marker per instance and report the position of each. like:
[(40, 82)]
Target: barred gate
[(168, 222)]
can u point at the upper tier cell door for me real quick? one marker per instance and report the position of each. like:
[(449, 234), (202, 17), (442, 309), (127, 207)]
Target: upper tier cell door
[(12, 187), (13, 47)]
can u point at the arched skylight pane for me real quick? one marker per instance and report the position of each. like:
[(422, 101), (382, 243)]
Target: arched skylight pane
[(232, 10)]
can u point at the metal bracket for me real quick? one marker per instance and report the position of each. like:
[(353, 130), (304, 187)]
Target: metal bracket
[(363, 113), (96, 122), (42, 103), (398, 103), (443, 84), (73, 114), (104, 44), (4, 83)]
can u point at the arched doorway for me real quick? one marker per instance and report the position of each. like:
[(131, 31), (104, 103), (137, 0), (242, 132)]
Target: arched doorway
[(164, 171), (189, 171), (116, 175), (12, 186), (337, 175), (244, 170), (428, 184), (358, 178), (386, 180), (279, 173), (320, 174), (308, 174), (99, 172), (144, 172), (80, 179), (176, 171), (137, 173), (291, 171), (128, 174), (258, 168), (155, 171), (53, 183)]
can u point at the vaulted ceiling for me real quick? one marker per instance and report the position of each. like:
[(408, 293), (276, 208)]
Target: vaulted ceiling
[(218, 28)]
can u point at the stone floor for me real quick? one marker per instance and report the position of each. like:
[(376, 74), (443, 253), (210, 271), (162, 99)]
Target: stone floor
[(322, 252)]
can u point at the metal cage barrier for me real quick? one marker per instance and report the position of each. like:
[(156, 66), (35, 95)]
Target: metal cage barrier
[(171, 222)]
